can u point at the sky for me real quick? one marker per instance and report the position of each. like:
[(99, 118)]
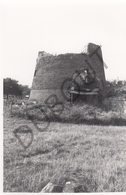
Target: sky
[(60, 26)]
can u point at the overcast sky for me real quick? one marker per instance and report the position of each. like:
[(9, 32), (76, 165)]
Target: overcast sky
[(60, 27)]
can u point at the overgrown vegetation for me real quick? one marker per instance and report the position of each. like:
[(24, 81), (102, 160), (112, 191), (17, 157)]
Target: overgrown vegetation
[(112, 112), (115, 88)]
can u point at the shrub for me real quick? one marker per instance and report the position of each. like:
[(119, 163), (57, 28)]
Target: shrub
[(110, 113)]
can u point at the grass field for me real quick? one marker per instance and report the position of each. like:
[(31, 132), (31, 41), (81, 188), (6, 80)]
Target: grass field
[(94, 156)]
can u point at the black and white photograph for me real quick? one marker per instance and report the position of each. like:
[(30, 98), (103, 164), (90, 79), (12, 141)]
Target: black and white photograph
[(63, 74)]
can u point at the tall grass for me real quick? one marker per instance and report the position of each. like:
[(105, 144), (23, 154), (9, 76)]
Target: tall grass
[(109, 113)]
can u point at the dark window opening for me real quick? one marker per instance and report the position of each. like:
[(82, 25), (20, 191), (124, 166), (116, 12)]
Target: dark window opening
[(35, 73)]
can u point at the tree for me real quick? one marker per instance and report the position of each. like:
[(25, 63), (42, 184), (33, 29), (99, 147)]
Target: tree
[(25, 90), (110, 88), (119, 83), (11, 87)]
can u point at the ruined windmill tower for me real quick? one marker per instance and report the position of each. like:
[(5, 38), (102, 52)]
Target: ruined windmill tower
[(51, 71)]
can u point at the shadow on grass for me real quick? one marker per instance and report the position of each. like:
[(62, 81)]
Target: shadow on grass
[(37, 152)]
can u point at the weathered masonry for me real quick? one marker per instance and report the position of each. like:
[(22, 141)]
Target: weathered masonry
[(85, 69)]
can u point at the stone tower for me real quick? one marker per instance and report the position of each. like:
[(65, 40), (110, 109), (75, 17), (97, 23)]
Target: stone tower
[(51, 71)]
